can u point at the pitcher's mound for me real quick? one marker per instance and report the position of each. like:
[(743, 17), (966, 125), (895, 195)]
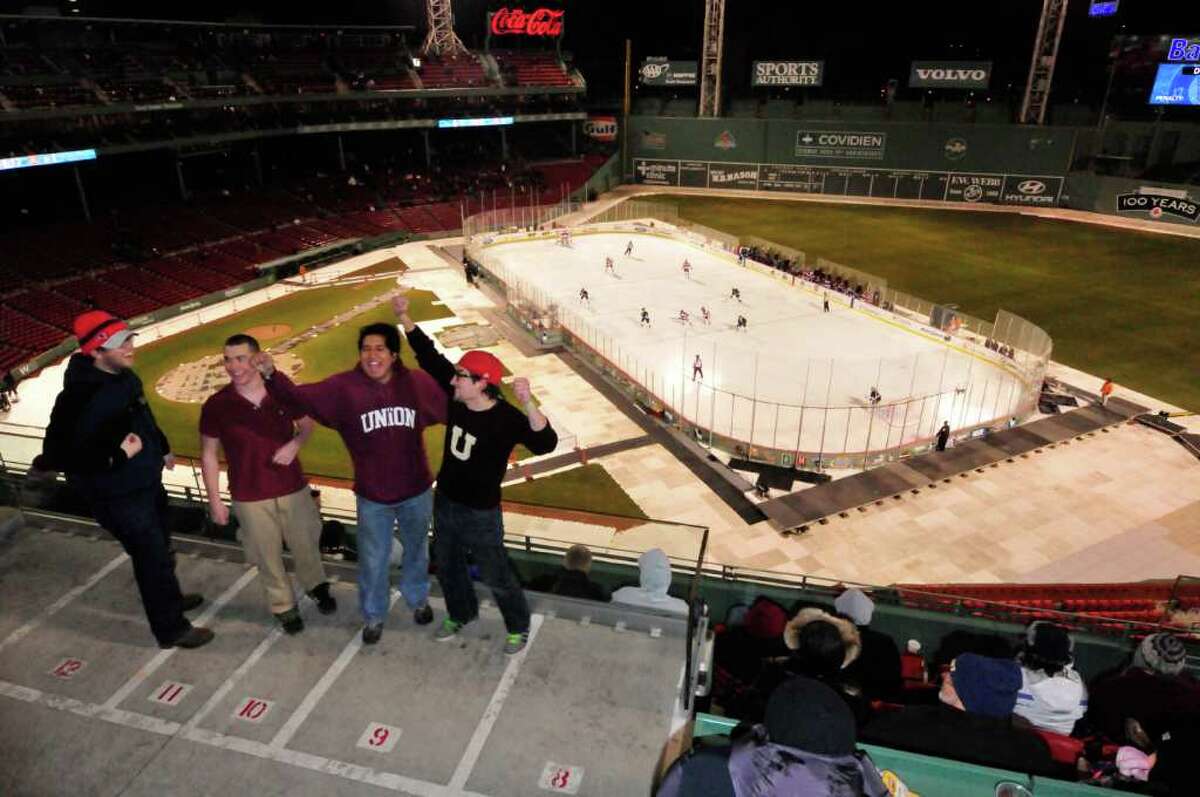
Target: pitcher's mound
[(268, 332), (192, 383)]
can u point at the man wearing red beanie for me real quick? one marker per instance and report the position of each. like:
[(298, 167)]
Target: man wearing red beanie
[(481, 431), (103, 435)]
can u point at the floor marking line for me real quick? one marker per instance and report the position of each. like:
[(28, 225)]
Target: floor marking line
[(231, 681), (285, 734), (315, 763), (45, 614), (490, 714), (151, 666)]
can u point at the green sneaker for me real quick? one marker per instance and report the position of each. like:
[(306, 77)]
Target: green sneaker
[(448, 630), (515, 643)]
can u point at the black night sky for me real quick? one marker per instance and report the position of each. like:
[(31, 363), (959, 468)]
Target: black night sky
[(863, 43)]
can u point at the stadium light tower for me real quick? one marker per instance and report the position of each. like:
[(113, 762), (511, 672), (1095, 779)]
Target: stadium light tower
[(441, 39), (1041, 69), (711, 51)]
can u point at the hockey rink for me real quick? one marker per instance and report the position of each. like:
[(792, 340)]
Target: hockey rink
[(795, 378)]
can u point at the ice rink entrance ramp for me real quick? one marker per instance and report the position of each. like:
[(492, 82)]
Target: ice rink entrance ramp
[(89, 705)]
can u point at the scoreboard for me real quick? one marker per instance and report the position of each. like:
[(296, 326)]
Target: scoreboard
[(1176, 84)]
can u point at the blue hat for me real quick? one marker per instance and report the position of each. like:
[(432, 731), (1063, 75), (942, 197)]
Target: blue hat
[(985, 685)]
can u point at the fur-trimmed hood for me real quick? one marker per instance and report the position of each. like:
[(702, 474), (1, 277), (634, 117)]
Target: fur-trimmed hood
[(850, 636)]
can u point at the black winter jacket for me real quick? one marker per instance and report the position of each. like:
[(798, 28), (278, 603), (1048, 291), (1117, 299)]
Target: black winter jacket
[(91, 416)]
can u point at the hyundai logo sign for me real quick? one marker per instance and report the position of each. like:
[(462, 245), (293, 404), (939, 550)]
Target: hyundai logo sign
[(1031, 187)]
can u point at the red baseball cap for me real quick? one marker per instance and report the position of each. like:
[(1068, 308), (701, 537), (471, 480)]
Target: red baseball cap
[(483, 365), (97, 329)]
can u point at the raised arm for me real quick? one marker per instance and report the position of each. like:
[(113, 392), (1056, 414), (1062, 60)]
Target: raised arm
[(541, 438), (429, 359), (317, 400)]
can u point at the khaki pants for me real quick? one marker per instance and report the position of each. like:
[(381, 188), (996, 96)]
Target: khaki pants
[(263, 528)]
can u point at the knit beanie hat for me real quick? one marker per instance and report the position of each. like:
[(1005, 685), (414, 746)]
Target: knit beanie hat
[(1162, 653), (809, 716), (1049, 642), (853, 603), (985, 685)]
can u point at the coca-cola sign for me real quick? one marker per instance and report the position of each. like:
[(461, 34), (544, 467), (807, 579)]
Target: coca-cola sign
[(519, 22)]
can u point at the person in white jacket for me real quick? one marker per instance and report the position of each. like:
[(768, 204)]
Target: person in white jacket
[(1052, 695), (655, 581)]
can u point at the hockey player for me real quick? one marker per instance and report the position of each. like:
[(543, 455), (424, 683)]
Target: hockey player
[(645, 317), (609, 268), (629, 249), (687, 269), (741, 324), (705, 315), (584, 298), (683, 317), (697, 369), (734, 293)]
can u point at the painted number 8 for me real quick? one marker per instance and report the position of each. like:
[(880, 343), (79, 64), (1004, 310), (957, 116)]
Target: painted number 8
[(379, 737), (561, 779)]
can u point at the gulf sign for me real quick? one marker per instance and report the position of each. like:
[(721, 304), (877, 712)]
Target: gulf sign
[(601, 128)]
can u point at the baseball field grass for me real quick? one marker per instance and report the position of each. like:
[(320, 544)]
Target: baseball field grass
[(1118, 303), (589, 489)]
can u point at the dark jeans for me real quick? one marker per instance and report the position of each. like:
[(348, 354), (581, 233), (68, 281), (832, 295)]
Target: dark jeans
[(459, 529), (138, 521)]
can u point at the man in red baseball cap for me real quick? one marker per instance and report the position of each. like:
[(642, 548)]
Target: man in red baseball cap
[(482, 429), (103, 435)]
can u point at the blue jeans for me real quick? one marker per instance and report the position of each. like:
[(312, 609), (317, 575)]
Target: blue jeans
[(460, 530), (375, 525)]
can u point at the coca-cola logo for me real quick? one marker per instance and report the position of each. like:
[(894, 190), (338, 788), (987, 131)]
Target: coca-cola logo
[(518, 21)]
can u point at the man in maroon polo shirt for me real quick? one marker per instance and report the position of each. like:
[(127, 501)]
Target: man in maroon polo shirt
[(261, 438)]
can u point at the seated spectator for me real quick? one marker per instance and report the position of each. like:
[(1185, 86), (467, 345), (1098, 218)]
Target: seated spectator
[(1150, 690), (655, 580), (740, 651), (877, 668), (973, 721), (805, 746), (821, 646), (1052, 695), (571, 580)]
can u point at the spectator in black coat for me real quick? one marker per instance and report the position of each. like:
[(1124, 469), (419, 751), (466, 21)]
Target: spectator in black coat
[(973, 722), (572, 580), (877, 668)]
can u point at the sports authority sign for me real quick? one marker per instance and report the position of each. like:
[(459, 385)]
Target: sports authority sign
[(787, 73), (541, 22), (854, 144), (1157, 201), (950, 74), (658, 71)]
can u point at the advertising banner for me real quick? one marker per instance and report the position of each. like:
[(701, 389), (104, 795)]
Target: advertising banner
[(733, 175), (787, 73), (1156, 202), (855, 144), (693, 174), (1024, 189), (601, 128), (541, 22), (950, 74), (974, 188), (658, 71), (1008, 189), (656, 172)]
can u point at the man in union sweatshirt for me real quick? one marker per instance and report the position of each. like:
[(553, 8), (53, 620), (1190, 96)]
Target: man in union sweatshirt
[(482, 429), (380, 408)]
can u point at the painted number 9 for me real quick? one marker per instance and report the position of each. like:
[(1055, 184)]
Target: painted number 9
[(379, 737)]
